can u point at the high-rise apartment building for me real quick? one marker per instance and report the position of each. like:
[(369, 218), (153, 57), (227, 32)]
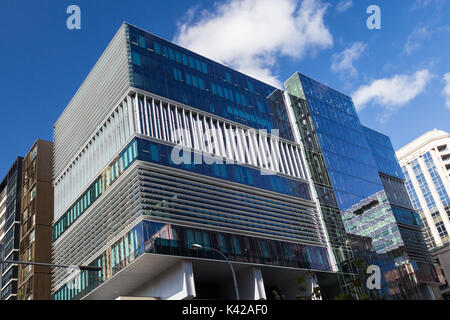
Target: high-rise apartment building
[(10, 204), (426, 165), (162, 148), (369, 187), (34, 282)]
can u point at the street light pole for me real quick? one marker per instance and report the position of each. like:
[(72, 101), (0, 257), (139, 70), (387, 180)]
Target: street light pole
[(198, 246)]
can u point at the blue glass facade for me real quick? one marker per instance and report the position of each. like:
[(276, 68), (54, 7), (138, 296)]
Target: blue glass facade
[(321, 177), (167, 70), (383, 153), (365, 255), (351, 167), (347, 164), (367, 180), (170, 239), (150, 151)]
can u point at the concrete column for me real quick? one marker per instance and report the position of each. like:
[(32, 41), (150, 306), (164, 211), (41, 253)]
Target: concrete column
[(176, 283), (251, 284)]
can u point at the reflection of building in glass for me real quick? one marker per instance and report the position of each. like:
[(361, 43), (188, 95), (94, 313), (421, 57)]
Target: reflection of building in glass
[(124, 204), (365, 253), (361, 167)]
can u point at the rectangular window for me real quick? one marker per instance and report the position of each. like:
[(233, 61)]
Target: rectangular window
[(178, 56), (185, 60), (201, 83), (135, 149), (222, 243), (155, 153), (220, 90), (237, 246), (157, 48), (127, 248), (138, 81), (250, 87), (441, 229), (238, 98), (191, 62), (260, 106), (244, 101), (225, 91), (142, 42), (204, 68), (136, 58), (100, 190), (33, 193), (130, 154), (194, 81), (171, 54), (198, 65), (228, 77), (188, 79), (125, 159)]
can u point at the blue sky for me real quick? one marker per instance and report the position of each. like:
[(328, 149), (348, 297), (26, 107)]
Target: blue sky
[(396, 75)]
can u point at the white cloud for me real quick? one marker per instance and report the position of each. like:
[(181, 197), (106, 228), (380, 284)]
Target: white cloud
[(446, 91), (415, 39), (392, 93), (343, 61), (344, 5), (249, 35)]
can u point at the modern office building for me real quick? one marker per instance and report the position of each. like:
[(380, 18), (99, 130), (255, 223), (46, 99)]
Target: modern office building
[(10, 204), (34, 282), (369, 186), (162, 148), (426, 165)]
